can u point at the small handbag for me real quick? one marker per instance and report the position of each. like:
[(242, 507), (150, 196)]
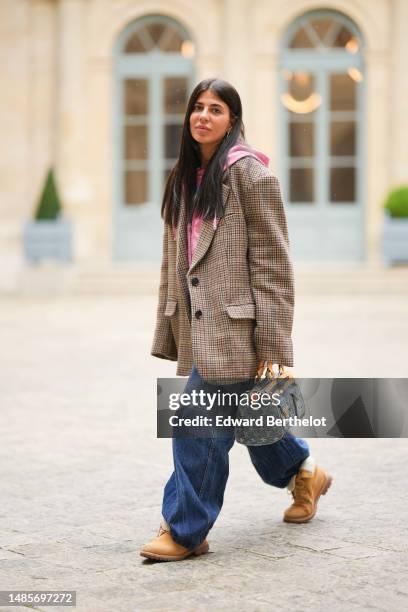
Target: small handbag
[(267, 423)]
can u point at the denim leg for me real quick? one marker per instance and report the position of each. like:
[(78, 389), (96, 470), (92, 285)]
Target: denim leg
[(194, 494), (277, 463)]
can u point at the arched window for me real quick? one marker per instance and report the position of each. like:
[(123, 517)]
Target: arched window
[(321, 84), (154, 69), (324, 31), (161, 35)]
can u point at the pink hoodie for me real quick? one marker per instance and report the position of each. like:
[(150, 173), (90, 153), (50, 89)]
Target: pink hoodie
[(241, 149)]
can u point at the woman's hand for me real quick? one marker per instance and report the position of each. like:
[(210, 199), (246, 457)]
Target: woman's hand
[(270, 365)]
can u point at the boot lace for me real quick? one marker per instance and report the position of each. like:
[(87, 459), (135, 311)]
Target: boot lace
[(161, 531), (300, 492)]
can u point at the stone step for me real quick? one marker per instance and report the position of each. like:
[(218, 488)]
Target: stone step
[(144, 279)]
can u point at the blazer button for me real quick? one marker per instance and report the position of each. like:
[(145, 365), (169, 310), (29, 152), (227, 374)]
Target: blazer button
[(198, 314), (194, 281)]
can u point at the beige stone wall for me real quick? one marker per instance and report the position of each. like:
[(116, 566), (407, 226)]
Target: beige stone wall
[(57, 77), (14, 117)]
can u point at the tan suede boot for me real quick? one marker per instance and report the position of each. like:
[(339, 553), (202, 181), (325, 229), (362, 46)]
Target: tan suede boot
[(307, 490), (164, 548)]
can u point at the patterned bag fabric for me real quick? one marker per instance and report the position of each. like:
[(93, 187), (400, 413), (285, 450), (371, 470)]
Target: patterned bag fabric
[(267, 422)]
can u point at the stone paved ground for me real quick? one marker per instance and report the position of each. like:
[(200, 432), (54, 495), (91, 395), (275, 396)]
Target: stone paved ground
[(82, 474)]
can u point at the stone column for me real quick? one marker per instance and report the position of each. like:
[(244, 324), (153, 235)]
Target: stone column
[(236, 49), (42, 93), (264, 124), (398, 117), (71, 128), (377, 148)]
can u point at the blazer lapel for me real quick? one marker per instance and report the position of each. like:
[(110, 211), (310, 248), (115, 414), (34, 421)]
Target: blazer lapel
[(181, 253)]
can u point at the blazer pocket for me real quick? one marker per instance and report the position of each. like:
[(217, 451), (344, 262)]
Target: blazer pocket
[(241, 311), (171, 306)]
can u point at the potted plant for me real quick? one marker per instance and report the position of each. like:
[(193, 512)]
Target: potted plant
[(395, 236), (49, 234)]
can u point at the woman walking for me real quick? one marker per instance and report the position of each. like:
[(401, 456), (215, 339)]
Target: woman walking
[(225, 311)]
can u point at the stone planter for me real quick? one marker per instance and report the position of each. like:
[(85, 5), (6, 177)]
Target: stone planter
[(48, 240), (395, 240)]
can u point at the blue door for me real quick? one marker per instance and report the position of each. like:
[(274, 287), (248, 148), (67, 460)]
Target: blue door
[(321, 96), (154, 76)]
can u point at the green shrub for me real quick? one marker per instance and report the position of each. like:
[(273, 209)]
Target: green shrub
[(49, 205), (397, 202)]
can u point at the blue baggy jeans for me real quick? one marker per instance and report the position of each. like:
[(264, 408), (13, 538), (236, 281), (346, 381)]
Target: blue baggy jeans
[(194, 494)]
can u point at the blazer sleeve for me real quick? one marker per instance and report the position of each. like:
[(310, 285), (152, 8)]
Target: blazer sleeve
[(271, 270), (164, 345)]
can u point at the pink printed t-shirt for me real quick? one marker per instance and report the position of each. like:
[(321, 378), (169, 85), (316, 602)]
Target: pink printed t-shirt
[(194, 228)]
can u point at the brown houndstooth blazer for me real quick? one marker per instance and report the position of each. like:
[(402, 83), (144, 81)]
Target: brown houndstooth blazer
[(240, 284)]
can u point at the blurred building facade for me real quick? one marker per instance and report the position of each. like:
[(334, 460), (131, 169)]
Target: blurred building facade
[(97, 89)]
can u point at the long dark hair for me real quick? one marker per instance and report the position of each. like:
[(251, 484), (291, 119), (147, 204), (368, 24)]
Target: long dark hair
[(208, 201)]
